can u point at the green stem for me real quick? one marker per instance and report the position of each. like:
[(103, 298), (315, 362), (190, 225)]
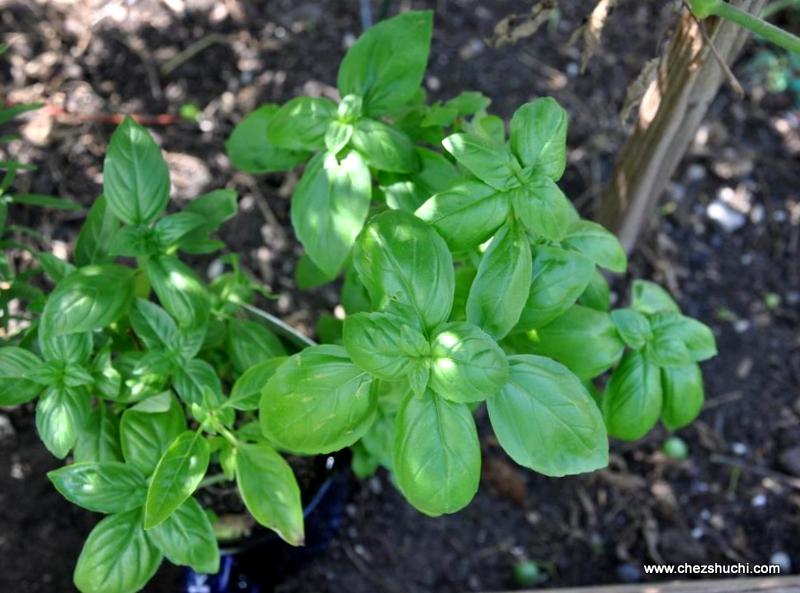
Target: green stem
[(279, 326), (758, 26), (211, 480)]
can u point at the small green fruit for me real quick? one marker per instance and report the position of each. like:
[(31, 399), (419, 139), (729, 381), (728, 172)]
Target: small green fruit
[(528, 573), (675, 448)]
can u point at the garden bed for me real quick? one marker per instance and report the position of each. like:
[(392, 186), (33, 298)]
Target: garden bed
[(735, 499)]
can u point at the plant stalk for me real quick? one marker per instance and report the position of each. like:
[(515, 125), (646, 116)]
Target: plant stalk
[(758, 26), (280, 326)]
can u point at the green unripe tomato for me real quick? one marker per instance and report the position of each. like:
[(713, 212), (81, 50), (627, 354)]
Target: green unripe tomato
[(675, 448), (527, 573), (704, 8)]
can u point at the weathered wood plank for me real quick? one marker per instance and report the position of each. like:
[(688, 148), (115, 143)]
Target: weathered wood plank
[(747, 585)]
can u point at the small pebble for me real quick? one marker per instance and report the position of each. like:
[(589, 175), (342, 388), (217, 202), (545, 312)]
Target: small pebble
[(739, 448), (697, 532), (6, 428), (727, 218), (629, 573), (782, 559), (758, 501), (741, 325)]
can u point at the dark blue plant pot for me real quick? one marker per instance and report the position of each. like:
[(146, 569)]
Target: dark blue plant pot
[(257, 564)]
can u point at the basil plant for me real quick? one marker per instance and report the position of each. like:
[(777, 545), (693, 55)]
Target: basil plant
[(148, 380), (469, 278)]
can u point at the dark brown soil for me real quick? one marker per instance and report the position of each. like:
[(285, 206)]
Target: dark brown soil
[(733, 500)]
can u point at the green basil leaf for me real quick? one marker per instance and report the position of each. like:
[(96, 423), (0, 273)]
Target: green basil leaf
[(186, 538), (135, 175), (320, 382), (403, 261), (300, 124), (671, 328), (539, 136), (249, 343), (154, 326), (544, 209), (633, 327), (55, 268), (682, 388), (269, 491), (378, 441), (179, 290), (559, 278), (546, 420), (329, 207), (385, 345), (117, 557), (307, 275), (386, 65), (215, 208), (109, 487), (437, 456), (649, 297), (99, 439), (498, 294), (133, 241), (193, 378), (597, 244), (169, 230), (94, 239), (632, 402), (246, 392), (15, 365), (250, 150), (354, 294), (597, 294), (466, 214), (467, 364), (465, 276), (61, 413), (337, 136), (491, 163), (148, 428), (584, 340), (176, 476), (409, 192), (76, 348), (90, 298), (384, 147), (469, 103), (76, 376)]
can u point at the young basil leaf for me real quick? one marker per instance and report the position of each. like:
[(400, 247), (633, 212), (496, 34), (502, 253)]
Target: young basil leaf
[(597, 294), (55, 268), (169, 230), (135, 175), (363, 463), (491, 163), (649, 297), (682, 388), (584, 340), (94, 239), (90, 298), (466, 214), (322, 383), (307, 275), (409, 192), (269, 491), (437, 456), (385, 345), (597, 244), (539, 136), (469, 103), (154, 326), (544, 209), (337, 136), (250, 150), (76, 376), (696, 338), (176, 476), (249, 343), (633, 327), (215, 208), (61, 413), (300, 124), (632, 402), (76, 348), (145, 373), (498, 294), (559, 278), (133, 241), (117, 557), (99, 439), (108, 487), (329, 207), (246, 392), (15, 366), (546, 420), (467, 364), (179, 290), (193, 378), (148, 428), (384, 147), (386, 65), (403, 261), (186, 538)]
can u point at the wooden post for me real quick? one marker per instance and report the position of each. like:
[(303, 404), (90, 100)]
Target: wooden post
[(672, 109)]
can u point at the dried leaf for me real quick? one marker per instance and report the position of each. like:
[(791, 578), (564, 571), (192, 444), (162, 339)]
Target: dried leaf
[(519, 26), (637, 89), (592, 30)]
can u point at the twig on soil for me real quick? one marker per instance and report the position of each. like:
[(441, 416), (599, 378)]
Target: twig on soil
[(756, 469), (191, 51), (63, 116)]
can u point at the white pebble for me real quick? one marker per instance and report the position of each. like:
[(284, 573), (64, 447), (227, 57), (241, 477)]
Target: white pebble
[(782, 559), (739, 448), (759, 500), (726, 217)]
